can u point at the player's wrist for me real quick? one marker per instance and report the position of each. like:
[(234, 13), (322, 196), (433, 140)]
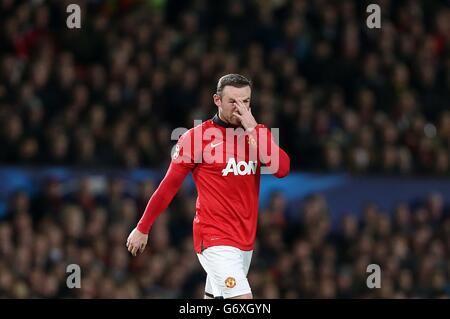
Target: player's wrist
[(256, 127), (250, 128), (253, 134), (142, 229)]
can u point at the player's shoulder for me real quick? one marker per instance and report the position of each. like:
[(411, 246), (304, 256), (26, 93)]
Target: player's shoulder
[(197, 129), (203, 125), (200, 127)]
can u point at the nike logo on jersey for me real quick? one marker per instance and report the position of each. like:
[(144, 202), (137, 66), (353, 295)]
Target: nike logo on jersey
[(217, 144), (239, 168)]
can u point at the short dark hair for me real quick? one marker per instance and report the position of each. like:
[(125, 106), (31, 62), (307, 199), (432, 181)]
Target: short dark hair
[(235, 80)]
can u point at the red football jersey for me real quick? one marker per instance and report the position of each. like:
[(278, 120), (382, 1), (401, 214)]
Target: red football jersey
[(226, 166)]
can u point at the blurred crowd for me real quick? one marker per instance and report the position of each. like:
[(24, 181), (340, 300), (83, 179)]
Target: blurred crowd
[(302, 256), (345, 97)]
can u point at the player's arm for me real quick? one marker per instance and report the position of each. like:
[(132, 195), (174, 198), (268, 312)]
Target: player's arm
[(273, 156), (270, 154), (158, 202), (180, 166)]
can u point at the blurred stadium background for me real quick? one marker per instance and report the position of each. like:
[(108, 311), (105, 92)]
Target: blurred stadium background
[(85, 122)]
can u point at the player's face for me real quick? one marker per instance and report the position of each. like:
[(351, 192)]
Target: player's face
[(227, 102)]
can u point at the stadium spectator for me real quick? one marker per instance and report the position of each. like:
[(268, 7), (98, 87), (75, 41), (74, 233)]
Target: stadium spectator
[(348, 99), (302, 258), (355, 99)]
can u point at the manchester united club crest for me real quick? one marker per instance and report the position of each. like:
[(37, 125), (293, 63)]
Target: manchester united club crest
[(230, 282)]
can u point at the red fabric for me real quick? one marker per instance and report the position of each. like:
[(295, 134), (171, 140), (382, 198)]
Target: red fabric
[(228, 191)]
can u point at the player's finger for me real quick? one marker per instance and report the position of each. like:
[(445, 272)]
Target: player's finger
[(242, 105), (238, 109), (239, 116), (134, 250)]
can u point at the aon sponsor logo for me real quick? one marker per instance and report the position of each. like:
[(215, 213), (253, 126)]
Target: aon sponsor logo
[(239, 168)]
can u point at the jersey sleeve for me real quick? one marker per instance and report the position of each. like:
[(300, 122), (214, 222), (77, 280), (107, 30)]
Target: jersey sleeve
[(183, 161), (187, 151), (269, 153)]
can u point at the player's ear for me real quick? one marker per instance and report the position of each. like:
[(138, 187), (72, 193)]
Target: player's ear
[(217, 100)]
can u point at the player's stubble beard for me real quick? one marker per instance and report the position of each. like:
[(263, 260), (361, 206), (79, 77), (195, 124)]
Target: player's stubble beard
[(232, 120)]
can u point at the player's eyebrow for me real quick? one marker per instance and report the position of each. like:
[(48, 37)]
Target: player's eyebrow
[(233, 99)]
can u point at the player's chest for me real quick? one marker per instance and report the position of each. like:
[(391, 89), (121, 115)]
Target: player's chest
[(229, 158)]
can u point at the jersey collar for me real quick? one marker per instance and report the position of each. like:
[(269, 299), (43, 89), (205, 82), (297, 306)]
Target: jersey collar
[(217, 120)]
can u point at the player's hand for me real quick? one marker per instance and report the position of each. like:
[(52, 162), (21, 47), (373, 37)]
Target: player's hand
[(245, 115), (136, 242)]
